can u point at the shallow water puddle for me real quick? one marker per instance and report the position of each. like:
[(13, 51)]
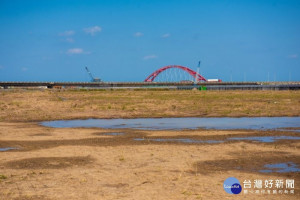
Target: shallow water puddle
[(7, 148), (181, 140), (290, 130), (281, 168), (257, 123), (266, 138), (113, 134)]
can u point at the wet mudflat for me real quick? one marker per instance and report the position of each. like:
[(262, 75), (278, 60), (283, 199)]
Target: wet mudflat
[(48, 162), (268, 139), (180, 140), (73, 163), (265, 163), (137, 138)]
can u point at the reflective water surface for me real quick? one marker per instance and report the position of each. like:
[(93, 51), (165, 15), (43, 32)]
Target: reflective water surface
[(258, 123), (7, 148), (266, 138), (281, 168), (181, 140), (113, 134)]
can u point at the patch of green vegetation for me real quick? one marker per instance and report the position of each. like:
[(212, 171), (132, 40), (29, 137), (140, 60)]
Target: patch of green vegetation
[(188, 193), (122, 158), (15, 103), (2, 177)]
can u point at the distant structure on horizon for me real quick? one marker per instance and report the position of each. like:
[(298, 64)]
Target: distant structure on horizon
[(97, 80), (197, 77)]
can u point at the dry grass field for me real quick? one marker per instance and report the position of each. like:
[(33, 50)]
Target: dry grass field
[(34, 105), (88, 163)]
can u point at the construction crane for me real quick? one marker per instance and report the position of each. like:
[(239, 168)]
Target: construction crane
[(92, 78), (198, 71)]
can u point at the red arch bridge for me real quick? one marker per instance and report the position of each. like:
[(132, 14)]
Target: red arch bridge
[(196, 76)]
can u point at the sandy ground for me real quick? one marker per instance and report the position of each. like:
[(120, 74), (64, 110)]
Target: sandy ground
[(55, 163), (79, 163)]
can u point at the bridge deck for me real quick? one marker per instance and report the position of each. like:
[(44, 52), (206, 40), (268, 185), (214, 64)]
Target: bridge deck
[(171, 85)]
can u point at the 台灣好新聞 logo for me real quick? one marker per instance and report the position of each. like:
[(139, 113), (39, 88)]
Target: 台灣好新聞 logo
[(232, 186)]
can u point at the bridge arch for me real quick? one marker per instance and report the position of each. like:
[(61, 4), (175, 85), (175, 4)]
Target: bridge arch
[(196, 75)]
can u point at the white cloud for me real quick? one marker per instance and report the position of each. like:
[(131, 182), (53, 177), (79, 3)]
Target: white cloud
[(93, 30), (69, 40), (293, 56), (77, 51), (1, 67), (67, 33), (138, 34), (150, 57), (166, 35), (24, 69)]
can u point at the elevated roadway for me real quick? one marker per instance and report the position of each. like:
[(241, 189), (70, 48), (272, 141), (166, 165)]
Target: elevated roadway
[(171, 85)]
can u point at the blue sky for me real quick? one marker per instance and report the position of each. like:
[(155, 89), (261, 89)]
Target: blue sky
[(127, 40)]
